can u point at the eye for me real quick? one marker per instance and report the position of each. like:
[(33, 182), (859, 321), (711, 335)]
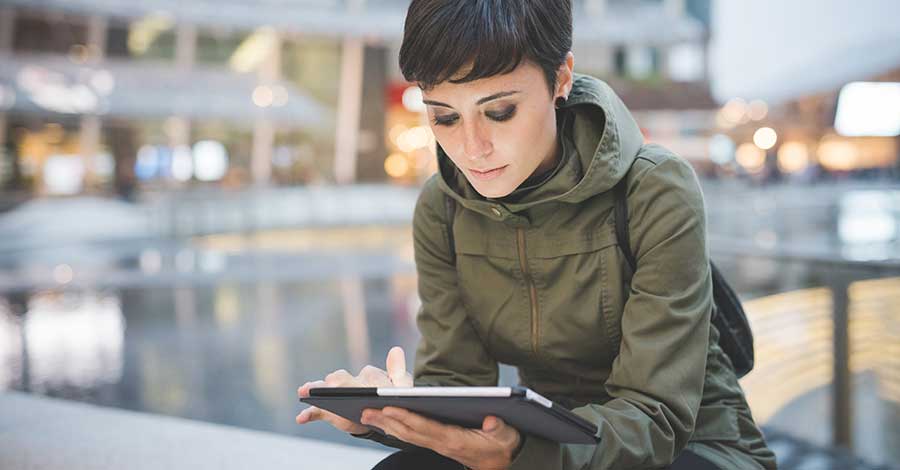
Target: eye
[(504, 115), (445, 120)]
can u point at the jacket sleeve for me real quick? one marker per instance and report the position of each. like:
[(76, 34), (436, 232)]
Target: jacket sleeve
[(656, 381), (450, 352)]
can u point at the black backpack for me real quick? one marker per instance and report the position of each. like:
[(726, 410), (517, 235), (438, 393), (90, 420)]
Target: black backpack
[(735, 336)]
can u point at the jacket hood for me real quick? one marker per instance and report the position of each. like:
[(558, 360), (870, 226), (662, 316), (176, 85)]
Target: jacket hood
[(599, 140)]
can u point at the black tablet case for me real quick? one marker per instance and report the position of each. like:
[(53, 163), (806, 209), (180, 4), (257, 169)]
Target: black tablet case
[(555, 423)]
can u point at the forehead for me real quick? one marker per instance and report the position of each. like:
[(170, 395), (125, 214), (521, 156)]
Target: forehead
[(525, 77)]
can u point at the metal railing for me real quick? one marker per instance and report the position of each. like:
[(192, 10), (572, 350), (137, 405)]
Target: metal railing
[(817, 308)]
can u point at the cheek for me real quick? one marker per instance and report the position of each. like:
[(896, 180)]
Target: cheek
[(526, 140), (452, 146)]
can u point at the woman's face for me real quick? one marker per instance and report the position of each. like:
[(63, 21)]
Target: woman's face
[(498, 130)]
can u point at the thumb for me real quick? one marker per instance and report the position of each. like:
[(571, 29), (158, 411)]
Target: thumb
[(491, 424), (396, 367)]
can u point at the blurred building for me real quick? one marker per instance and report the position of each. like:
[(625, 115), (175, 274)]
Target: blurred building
[(111, 96)]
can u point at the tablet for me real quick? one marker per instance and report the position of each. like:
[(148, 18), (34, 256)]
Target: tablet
[(519, 407)]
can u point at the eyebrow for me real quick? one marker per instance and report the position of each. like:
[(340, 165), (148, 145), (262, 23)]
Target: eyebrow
[(495, 96)]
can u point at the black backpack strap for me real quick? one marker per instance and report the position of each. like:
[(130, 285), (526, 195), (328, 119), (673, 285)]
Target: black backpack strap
[(620, 191), (450, 206)]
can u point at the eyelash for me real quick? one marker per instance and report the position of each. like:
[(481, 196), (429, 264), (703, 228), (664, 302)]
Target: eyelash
[(502, 117)]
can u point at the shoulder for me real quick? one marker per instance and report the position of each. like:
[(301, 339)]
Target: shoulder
[(430, 205), (657, 169), (653, 159)]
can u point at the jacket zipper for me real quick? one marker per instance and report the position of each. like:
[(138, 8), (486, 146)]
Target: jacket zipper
[(535, 311)]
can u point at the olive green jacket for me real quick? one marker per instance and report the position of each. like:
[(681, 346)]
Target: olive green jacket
[(539, 283)]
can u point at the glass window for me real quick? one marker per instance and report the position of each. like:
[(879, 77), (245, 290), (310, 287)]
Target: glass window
[(48, 32), (314, 66), (148, 38), (216, 46)]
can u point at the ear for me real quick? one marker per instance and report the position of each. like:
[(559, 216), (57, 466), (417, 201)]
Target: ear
[(565, 76)]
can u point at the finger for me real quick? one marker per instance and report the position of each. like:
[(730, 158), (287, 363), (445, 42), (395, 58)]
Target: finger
[(417, 422), (303, 391), (338, 378), (372, 376), (400, 430), (497, 429), (490, 424), (396, 368), (495, 426), (445, 439), (313, 413), (309, 415)]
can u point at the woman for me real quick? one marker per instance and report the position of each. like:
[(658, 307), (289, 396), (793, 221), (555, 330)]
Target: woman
[(529, 153)]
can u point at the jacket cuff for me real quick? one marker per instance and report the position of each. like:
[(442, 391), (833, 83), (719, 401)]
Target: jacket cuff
[(537, 454)]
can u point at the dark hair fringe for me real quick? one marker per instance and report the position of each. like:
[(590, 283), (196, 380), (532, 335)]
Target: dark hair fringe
[(441, 37)]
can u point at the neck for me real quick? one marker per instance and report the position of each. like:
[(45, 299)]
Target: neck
[(550, 161)]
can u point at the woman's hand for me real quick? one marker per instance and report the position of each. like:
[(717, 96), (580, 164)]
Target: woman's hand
[(370, 376), (488, 448)]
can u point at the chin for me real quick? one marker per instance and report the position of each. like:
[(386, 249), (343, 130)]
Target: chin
[(491, 191)]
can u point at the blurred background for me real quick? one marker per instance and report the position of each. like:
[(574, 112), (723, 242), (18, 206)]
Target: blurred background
[(205, 204)]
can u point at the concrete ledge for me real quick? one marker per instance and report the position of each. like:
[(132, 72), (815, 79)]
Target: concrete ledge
[(43, 433)]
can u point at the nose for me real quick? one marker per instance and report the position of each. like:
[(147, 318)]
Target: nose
[(475, 143)]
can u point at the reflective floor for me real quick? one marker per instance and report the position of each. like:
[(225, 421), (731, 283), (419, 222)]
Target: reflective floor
[(231, 354)]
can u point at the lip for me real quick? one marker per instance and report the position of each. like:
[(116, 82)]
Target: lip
[(487, 175)]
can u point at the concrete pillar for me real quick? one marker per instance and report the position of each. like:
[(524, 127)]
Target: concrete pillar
[(348, 110), (268, 73), (7, 29), (178, 130), (270, 67), (261, 158), (178, 133), (91, 125), (185, 46), (96, 38), (89, 142)]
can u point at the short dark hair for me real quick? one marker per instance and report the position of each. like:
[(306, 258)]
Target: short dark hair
[(442, 36)]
